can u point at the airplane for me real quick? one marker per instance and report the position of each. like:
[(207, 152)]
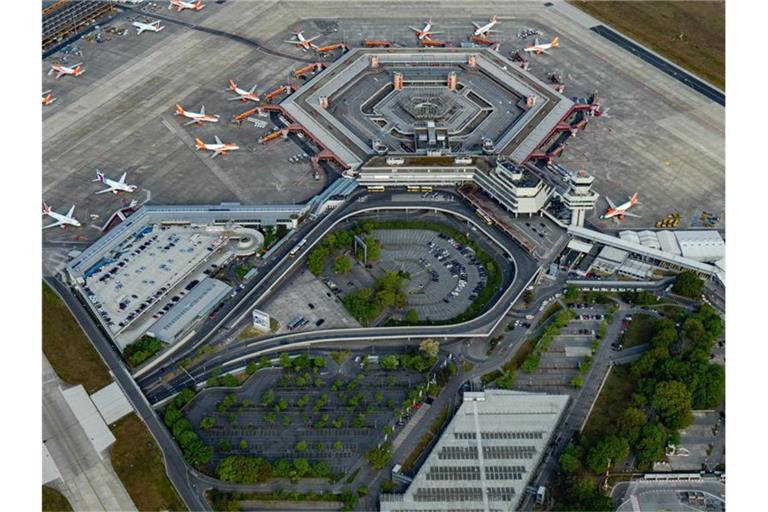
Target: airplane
[(485, 29), (219, 148), (48, 97), (301, 42), (144, 27), (196, 117), (538, 48), (242, 94), (61, 70), (618, 212), (424, 32), (114, 186), (61, 220), (181, 5)]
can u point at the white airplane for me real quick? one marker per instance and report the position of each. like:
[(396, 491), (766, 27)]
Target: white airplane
[(426, 32), (147, 27), (180, 5), (61, 70), (196, 117), (301, 42), (114, 186), (485, 29), (219, 148), (61, 220), (242, 94), (618, 212), (48, 97), (538, 48)]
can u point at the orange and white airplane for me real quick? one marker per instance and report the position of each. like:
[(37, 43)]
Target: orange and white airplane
[(155, 26), (196, 117), (48, 97), (220, 148), (486, 29), (618, 212), (300, 41), (180, 5), (426, 32), (61, 219), (62, 70), (539, 48), (242, 94)]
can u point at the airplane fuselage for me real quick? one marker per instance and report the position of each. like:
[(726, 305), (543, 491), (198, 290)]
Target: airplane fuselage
[(181, 5), (65, 221), (486, 28)]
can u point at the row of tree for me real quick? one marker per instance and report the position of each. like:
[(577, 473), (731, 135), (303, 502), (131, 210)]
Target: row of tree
[(341, 241), (246, 469), (196, 453)]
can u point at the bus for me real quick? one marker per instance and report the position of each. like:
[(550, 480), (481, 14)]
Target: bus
[(483, 216), (426, 189), (375, 189), (414, 189), (296, 249)]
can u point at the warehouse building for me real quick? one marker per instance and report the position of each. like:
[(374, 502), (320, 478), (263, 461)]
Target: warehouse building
[(486, 456)]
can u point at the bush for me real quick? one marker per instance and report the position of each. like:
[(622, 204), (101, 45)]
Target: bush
[(141, 350), (379, 457), (688, 284)]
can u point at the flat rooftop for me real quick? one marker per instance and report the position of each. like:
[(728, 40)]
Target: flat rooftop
[(490, 101)]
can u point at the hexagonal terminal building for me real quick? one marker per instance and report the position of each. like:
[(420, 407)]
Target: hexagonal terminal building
[(427, 102)]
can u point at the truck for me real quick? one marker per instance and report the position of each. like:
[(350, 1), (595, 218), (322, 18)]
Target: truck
[(529, 317)]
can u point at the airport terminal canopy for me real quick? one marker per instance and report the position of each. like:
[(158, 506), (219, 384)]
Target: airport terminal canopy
[(459, 101)]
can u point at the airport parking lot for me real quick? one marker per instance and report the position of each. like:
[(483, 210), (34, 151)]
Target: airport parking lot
[(376, 392), (444, 277)]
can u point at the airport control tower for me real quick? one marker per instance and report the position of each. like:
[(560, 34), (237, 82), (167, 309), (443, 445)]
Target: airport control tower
[(580, 197)]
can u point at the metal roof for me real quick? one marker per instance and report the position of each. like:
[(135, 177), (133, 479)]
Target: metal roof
[(701, 245)]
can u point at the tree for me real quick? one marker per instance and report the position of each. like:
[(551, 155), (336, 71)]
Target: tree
[(301, 446), (172, 415), (389, 362), (571, 293), (301, 465), (528, 296), (316, 259), (630, 423), (411, 316), (570, 459), (243, 444), (673, 403), (710, 388), (207, 422), (321, 469), (506, 381), (429, 348), (608, 451), (342, 265), (379, 457), (267, 398), (651, 443), (337, 445), (251, 368), (688, 284)]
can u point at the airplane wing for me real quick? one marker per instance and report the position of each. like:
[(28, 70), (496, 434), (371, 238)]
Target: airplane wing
[(610, 203), (545, 51), (235, 98), (216, 152), (71, 211), (477, 25), (193, 121), (104, 191), (628, 214), (218, 140), (139, 30), (291, 42), (46, 92), (311, 39), (415, 29), (122, 178), (57, 223)]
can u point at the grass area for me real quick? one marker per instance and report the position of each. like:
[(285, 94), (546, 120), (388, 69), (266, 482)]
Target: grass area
[(641, 329), (436, 426), (613, 400), (68, 349), (512, 365), (139, 464), (54, 501), (691, 34)]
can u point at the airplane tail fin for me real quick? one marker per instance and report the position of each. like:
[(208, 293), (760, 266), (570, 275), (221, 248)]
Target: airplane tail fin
[(99, 175), (232, 85), (200, 144), (198, 5), (556, 42), (46, 208), (633, 199), (493, 19), (78, 70), (179, 109)]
